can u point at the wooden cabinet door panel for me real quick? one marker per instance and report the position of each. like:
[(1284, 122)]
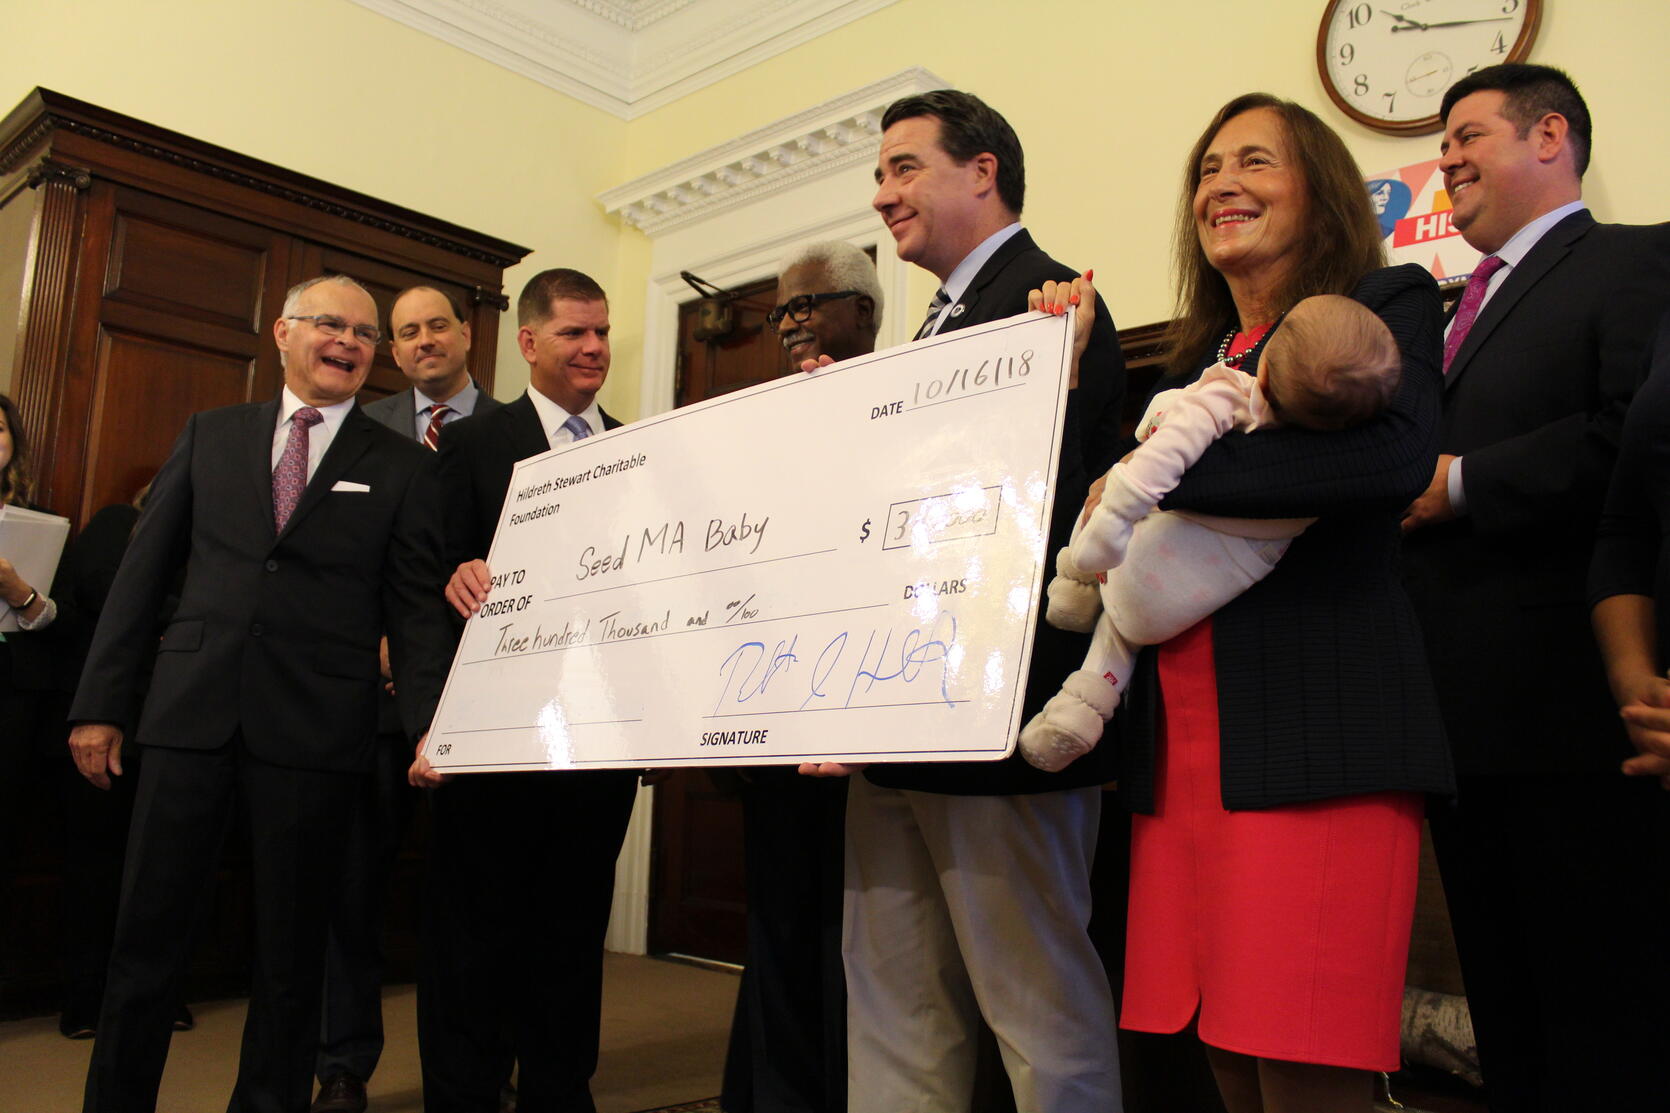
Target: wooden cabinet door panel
[(138, 379), (174, 259)]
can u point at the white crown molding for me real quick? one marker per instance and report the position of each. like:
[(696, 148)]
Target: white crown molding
[(627, 57), (819, 141)]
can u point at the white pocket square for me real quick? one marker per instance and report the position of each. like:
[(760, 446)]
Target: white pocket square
[(350, 485)]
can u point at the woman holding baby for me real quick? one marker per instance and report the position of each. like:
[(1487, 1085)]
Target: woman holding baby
[(1276, 753)]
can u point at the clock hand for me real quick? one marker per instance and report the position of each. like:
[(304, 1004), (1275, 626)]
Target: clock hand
[(1414, 25), (1465, 22)]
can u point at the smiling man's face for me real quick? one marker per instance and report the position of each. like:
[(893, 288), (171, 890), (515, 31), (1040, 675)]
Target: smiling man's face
[(839, 328), (319, 369)]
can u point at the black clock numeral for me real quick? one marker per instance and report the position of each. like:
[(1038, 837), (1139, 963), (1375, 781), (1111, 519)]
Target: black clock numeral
[(1360, 15), (1359, 85), (1510, 7), (1500, 46), (1391, 102), (1347, 54)]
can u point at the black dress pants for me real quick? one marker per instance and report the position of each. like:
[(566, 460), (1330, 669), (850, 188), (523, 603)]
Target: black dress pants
[(351, 1013), (788, 1049), (521, 879), (1558, 889), (297, 820)]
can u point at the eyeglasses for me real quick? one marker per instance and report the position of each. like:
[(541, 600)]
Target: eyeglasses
[(336, 326), (799, 310)]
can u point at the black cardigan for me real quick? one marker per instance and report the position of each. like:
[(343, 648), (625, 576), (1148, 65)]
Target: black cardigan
[(1323, 687)]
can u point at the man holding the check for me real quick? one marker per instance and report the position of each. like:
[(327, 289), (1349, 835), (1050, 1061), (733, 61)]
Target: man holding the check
[(948, 864), (522, 865)]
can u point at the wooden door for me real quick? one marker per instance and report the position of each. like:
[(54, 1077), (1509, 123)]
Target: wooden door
[(749, 354)]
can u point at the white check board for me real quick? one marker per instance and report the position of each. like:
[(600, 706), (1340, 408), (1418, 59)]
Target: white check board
[(839, 566)]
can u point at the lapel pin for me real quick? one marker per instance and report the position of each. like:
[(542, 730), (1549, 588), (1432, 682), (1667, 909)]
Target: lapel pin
[(957, 310)]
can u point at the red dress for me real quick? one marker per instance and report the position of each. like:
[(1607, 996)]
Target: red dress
[(1286, 928)]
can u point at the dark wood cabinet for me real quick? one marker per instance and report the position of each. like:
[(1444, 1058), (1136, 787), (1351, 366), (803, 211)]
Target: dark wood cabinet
[(140, 275)]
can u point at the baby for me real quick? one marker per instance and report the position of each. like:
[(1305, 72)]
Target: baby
[(1330, 365)]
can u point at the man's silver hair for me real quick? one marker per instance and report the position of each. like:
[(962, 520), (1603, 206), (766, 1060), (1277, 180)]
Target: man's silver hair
[(849, 268), (292, 299)]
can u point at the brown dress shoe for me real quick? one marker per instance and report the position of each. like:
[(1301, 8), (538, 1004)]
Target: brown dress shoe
[(342, 1093)]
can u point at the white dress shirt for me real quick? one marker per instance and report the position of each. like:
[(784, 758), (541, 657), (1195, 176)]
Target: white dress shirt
[(956, 285), (552, 416), (319, 437), (462, 403)]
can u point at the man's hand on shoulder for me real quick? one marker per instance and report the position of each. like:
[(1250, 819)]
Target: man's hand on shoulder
[(468, 588), (97, 750)]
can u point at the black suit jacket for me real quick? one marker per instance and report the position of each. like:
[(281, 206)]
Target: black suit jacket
[(1087, 451), (1534, 404), (275, 636), (399, 413), (477, 456), (1323, 688)]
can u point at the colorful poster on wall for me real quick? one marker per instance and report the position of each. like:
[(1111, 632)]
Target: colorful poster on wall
[(1414, 211)]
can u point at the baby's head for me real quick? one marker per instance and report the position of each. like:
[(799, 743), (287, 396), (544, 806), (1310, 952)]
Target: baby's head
[(1332, 364)]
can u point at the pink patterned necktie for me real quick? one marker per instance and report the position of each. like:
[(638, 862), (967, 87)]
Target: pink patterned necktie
[(290, 477), (1468, 311), (432, 435)]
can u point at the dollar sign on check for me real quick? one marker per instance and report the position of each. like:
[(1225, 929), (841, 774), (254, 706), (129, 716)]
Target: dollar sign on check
[(864, 531)]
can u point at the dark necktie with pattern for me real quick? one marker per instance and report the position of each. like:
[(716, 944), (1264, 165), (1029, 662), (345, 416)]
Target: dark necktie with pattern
[(1467, 312), (290, 477), (941, 300), (437, 416)]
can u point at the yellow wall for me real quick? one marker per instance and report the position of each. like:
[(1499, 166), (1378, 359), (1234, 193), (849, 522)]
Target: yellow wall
[(330, 89), (1106, 97)]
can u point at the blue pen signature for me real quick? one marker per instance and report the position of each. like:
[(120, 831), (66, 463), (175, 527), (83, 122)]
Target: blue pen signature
[(907, 656)]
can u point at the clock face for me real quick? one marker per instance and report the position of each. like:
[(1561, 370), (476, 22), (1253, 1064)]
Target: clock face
[(1387, 63)]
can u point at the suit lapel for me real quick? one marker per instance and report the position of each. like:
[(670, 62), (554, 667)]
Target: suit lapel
[(967, 310), (347, 446), (263, 426), (527, 436), (1554, 246)]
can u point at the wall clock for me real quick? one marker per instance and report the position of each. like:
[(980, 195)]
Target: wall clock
[(1387, 64)]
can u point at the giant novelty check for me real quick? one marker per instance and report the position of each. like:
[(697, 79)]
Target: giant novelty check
[(841, 566)]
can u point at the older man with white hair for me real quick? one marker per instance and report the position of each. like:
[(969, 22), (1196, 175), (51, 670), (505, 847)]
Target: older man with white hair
[(828, 302), (296, 532)]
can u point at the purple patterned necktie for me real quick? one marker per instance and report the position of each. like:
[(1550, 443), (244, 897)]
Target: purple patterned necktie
[(578, 426), (1468, 311), (290, 477)]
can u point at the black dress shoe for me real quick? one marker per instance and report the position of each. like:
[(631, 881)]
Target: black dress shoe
[(342, 1093), (73, 1027)]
